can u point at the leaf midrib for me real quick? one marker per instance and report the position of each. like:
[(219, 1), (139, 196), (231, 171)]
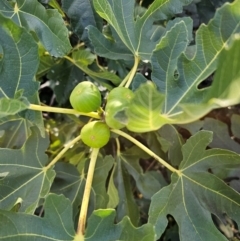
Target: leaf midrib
[(212, 190), (202, 73)]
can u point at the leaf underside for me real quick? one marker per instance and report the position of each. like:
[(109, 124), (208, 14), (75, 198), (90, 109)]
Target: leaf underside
[(178, 77)]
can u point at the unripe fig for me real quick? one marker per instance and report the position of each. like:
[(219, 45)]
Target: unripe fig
[(85, 97), (120, 93), (95, 134), (117, 101)]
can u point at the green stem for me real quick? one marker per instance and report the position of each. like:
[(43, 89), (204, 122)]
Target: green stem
[(73, 62), (62, 152), (79, 45), (86, 194), (125, 79), (62, 111), (133, 71), (118, 147), (147, 150)]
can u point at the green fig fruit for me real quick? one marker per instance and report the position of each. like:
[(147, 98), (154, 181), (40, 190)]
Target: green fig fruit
[(85, 97), (95, 134), (120, 93)]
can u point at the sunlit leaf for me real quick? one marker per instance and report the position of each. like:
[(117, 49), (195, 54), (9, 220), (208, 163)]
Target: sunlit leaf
[(184, 101), (223, 93), (56, 224), (194, 193), (143, 113), (26, 178)]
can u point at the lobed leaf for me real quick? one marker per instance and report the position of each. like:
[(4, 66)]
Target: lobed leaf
[(18, 66), (56, 224), (223, 93), (46, 62), (194, 193), (221, 137), (165, 57), (26, 179), (47, 24), (133, 32), (101, 221), (19, 50), (70, 183), (108, 48), (184, 101)]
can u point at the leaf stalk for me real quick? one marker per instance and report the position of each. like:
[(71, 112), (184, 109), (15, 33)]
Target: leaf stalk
[(62, 111), (147, 150), (62, 152), (125, 79), (86, 194), (118, 146), (133, 71)]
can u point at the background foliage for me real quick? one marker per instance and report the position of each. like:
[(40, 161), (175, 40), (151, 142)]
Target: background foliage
[(174, 171)]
